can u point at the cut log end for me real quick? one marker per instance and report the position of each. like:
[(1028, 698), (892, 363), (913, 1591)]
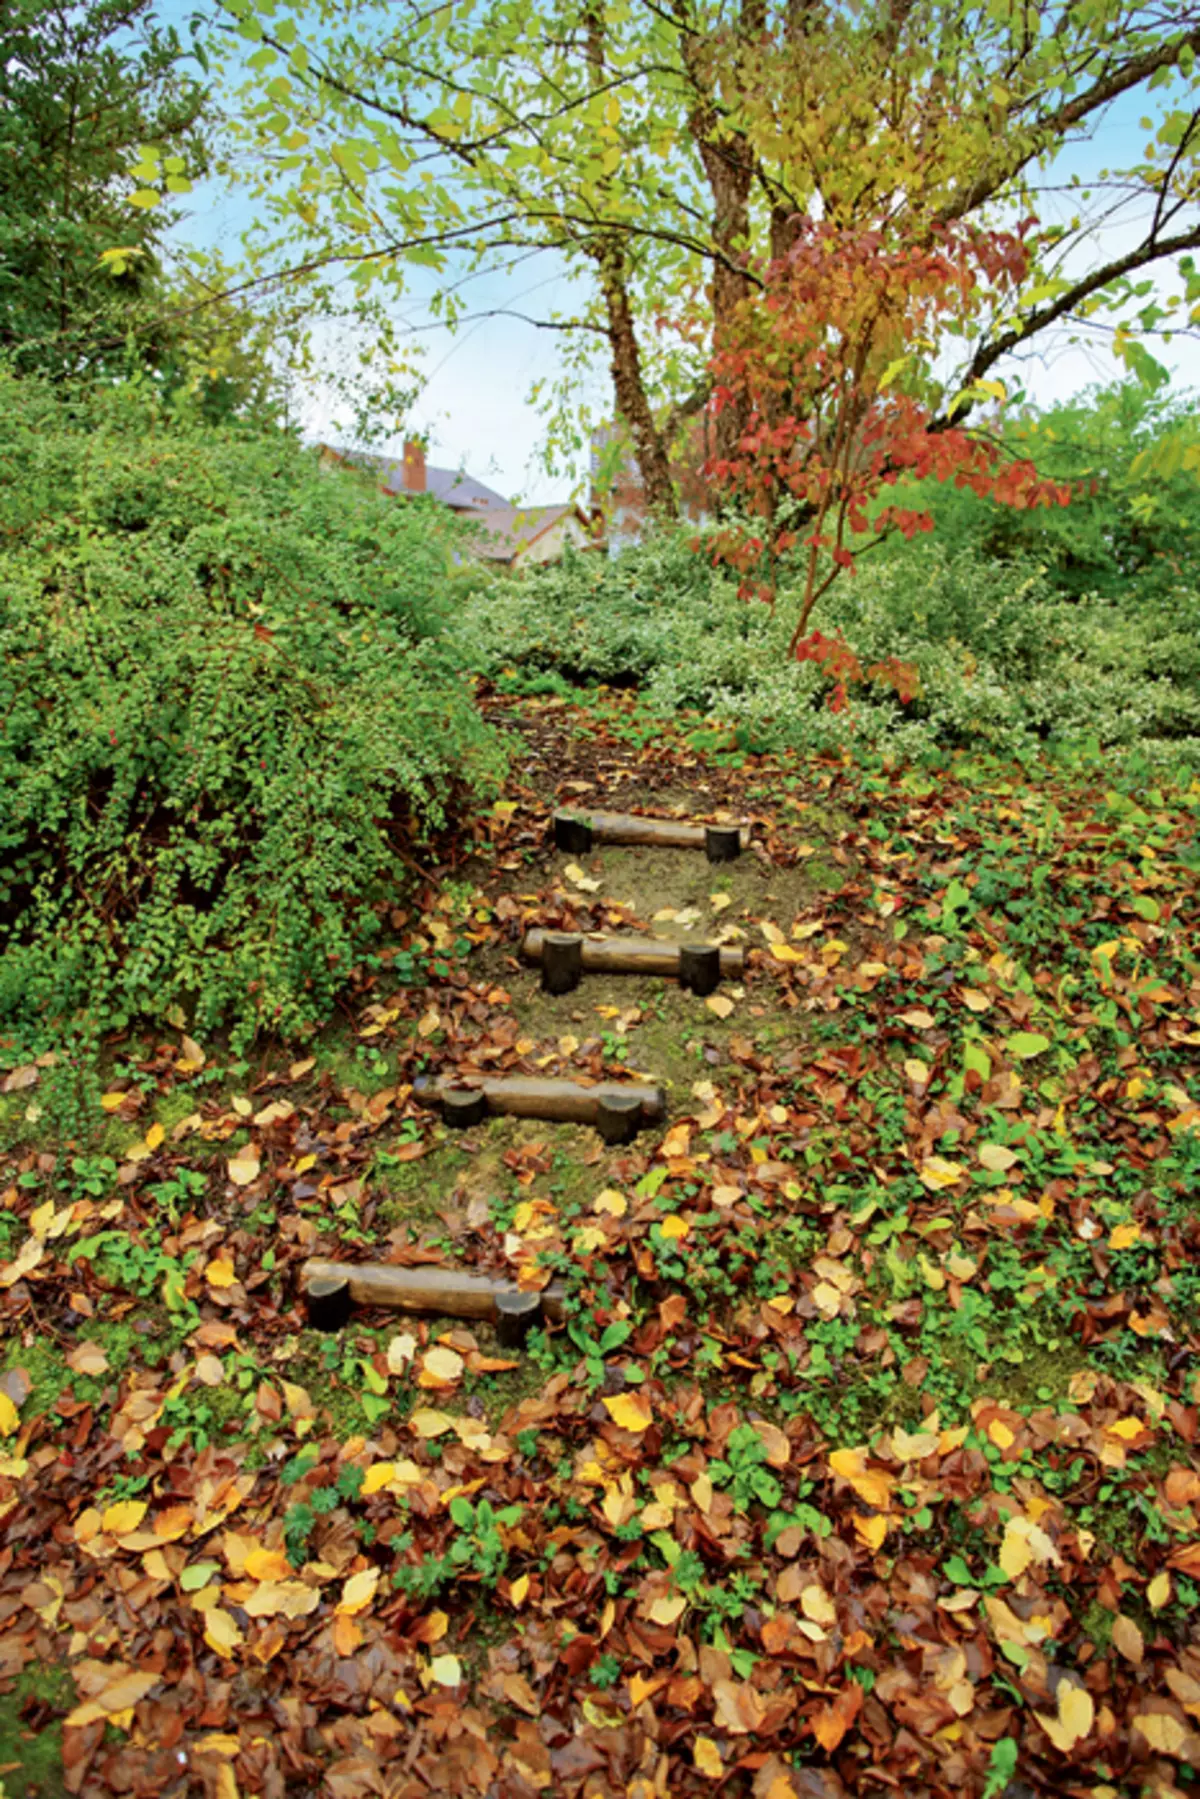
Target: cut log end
[(572, 835), (463, 1107), (327, 1301), (562, 961), (700, 967), (619, 1117), (517, 1314), (722, 843)]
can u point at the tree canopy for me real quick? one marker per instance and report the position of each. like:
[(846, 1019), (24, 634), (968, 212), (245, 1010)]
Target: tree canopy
[(668, 152)]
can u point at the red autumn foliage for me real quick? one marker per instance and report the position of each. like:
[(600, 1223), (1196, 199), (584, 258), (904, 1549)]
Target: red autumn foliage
[(814, 372)]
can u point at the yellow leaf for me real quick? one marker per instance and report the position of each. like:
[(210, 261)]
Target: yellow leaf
[(997, 1157), (872, 1486), (518, 1592), (9, 1416), (267, 1564), (1000, 1434), (917, 1072), (701, 1491), (430, 1424), (668, 1609), (612, 1202), (111, 1101), (1124, 1236), (440, 1367), (221, 1632), (1158, 1593), (720, 1004), (675, 1228), (119, 1520), (377, 1478), (937, 1172), (245, 1166), (220, 1273), (358, 1592), (1076, 1714), (630, 1410), (1163, 1732), (707, 1758), (154, 1136), (445, 1670), (818, 1607), (873, 1531)]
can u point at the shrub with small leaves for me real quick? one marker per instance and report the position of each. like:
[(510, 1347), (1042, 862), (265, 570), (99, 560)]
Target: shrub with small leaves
[(226, 711)]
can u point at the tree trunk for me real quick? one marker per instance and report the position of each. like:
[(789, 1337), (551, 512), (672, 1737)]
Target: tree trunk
[(633, 405), (625, 358)]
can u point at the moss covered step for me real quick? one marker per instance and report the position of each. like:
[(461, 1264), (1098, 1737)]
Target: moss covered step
[(564, 956), (619, 1110), (576, 831)]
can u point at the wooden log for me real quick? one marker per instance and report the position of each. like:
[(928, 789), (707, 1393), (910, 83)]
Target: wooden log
[(454, 1292), (576, 831), (700, 968), (560, 1102), (562, 961), (631, 955)]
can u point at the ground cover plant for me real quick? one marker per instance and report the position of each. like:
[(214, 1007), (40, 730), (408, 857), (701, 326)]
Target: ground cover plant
[(867, 1458), (992, 654), (225, 717)]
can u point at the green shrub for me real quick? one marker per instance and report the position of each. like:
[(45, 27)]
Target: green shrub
[(1005, 662), (225, 709)]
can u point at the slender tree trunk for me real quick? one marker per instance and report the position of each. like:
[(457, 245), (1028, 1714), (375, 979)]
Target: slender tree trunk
[(611, 258), (633, 405), (729, 167)]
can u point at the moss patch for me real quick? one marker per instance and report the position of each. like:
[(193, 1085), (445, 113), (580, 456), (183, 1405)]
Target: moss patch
[(34, 1746)]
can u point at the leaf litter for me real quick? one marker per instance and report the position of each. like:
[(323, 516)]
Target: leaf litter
[(867, 1454)]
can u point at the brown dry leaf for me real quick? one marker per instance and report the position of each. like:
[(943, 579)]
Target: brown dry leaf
[(1128, 1639), (833, 1721), (125, 1688), (88, 1358)]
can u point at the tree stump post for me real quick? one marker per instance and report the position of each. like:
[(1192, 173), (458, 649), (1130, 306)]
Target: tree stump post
[(562, 961)]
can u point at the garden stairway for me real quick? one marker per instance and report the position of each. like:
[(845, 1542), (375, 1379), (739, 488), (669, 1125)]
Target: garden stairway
[(618, 1110)]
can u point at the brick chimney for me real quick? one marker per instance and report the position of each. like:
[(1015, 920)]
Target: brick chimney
[(414, 466)]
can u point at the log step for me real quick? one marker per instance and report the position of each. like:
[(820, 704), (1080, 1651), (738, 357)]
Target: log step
[(332, 1289), (618, 1110), (577, 831), (565, 956)]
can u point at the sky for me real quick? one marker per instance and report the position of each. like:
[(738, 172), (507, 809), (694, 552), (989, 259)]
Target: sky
[(475, 408)]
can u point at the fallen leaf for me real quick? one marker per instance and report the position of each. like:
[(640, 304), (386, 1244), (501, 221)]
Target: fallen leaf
[(630, 1410), (707, 1758), (245, 1166), (1074, 1719), (1128, 1639), (997, 1157)]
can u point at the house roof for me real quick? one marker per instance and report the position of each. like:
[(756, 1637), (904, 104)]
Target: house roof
[(502, 532), (452, 486)]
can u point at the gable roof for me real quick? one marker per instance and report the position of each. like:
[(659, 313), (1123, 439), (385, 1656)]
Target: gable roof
[(502, 532), (452, 486)]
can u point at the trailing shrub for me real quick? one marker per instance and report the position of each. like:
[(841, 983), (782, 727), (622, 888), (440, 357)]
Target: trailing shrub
[(1004, 662), (225, 712)]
